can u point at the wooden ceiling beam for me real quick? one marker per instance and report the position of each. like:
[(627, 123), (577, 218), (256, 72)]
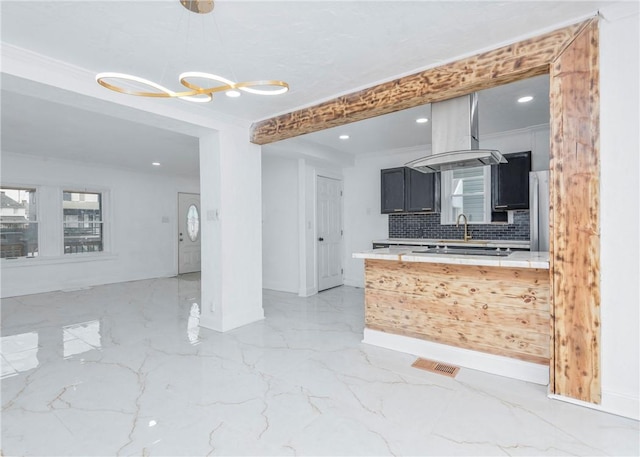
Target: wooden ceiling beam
[(500, 66)]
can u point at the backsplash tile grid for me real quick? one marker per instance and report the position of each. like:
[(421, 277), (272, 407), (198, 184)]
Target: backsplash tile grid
[(428, 226)]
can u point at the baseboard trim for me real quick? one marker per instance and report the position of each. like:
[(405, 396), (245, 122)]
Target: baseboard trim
[(280, 287), (612, 403), (231, 322), (36, 288), (307, 292), (353, 283), (489, 363)]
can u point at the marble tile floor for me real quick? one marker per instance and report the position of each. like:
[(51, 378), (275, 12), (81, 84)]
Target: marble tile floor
[(124, 369)]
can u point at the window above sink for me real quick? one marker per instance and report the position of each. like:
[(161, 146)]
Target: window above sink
[(468, 191)]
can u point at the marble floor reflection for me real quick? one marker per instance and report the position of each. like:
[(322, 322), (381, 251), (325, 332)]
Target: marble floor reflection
[(125, 369)]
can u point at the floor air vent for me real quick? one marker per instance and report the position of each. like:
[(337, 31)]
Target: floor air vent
[(436, 367)]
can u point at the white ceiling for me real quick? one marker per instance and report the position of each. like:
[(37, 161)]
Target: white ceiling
[(498, 111), (321, 48), (37, 126)]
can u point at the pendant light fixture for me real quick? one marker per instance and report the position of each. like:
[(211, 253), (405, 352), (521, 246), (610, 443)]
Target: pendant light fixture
[(198, 6), (194, 92)]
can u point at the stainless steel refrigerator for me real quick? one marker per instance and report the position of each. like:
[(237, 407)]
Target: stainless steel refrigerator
[(539, 210)]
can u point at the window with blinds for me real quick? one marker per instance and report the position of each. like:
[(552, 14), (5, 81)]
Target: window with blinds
[(466, 191)]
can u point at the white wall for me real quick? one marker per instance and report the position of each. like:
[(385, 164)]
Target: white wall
[(280, 224), (142, 245), (289, 217), (619, 209), (363, 221), (231, 276)]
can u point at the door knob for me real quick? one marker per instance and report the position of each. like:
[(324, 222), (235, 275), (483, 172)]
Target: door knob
[(320, 239)]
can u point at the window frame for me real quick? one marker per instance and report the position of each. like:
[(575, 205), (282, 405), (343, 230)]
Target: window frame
[(37, 222), (446, 190), (50, 226), (102, 198)]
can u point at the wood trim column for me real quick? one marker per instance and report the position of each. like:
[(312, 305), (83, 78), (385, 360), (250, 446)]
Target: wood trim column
[(570, 55), (575, 218)]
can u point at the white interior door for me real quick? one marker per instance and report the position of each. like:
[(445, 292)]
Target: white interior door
[(188, 233), (329, 229)]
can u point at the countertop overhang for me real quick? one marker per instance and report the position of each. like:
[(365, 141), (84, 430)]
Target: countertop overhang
[(517, 259)]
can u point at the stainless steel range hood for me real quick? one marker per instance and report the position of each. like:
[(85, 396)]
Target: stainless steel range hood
[(454, 138)]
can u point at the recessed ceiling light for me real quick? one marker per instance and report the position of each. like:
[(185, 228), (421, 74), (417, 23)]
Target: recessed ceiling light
[(422, 120), (155, 164), (233, 93), (344, 137), (526, 99)]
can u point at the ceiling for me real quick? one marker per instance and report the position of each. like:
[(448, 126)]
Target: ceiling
[(70, 133), (321, 48), (498, 111)]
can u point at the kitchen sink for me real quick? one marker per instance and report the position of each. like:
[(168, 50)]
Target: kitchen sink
[(459, 241), (465, 251)]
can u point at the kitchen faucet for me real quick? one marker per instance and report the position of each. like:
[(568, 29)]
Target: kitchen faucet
[(467, 237)]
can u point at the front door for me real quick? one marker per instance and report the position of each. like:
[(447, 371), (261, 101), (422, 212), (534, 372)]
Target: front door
[(188, 233), (329, 223)]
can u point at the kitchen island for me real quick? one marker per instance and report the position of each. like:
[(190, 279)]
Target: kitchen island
[(488, 312)]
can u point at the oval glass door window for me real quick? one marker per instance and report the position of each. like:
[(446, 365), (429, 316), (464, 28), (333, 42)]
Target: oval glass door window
[(193, 223)]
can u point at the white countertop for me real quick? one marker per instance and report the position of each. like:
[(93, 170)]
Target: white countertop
[(517, 259), (513, 244)]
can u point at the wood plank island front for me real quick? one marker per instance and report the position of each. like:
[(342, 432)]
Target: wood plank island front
[(476, 311)]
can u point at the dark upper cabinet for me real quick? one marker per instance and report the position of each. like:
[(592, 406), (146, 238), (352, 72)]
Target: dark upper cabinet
[(422, 191), (392, 190), (510, 182), (405, 190)]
